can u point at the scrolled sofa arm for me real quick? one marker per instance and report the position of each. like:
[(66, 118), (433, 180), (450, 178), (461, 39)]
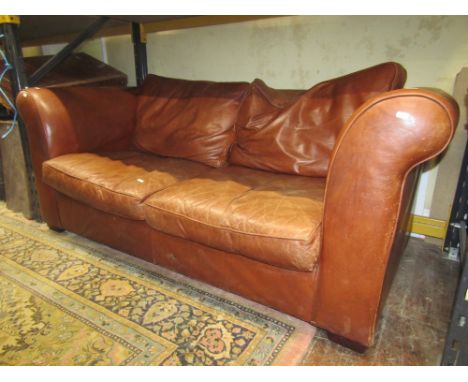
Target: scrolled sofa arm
[(71, 120), (368, 192)]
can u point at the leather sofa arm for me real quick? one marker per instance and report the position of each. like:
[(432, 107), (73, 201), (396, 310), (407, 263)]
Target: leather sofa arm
[(71, 120), (368, 194), (76, 119)]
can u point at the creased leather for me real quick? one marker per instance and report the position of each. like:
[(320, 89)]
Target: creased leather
[(127, 235), (272, 218), (370, 168), (188, 119), (294, 132), (230, 226), (116, 182), (71, 120), (289, 291)]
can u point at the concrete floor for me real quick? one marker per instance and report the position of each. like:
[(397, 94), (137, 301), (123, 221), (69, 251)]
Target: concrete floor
[(414, 320)]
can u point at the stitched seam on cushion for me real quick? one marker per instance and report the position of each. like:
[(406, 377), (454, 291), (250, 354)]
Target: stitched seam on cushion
[(140, 201), (395, 76), (88, 182), (38, 115), (198, 173), (235, 126), (183, 216), (308, 241)]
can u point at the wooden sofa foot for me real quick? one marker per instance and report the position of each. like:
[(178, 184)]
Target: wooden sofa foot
[(56, 229), (346, 342)]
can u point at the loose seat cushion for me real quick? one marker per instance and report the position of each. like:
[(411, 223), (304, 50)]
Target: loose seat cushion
[(295, 132), (188, 119), (116, 183), (268, 217)]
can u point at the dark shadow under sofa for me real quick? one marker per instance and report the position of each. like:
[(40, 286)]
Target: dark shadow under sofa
[(297, 199)]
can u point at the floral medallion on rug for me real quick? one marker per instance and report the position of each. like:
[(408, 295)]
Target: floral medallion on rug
[(64, 302)]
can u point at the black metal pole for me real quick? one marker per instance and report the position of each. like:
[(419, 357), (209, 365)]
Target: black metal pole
[(139, 50), (67, 50), (19, 82), (459, 206), (456, 342)]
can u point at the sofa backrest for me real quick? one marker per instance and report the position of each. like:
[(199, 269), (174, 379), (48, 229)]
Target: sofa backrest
[(188, 119), (295, 131)]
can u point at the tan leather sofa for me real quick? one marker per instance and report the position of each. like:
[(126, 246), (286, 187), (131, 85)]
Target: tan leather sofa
[(297, 199)]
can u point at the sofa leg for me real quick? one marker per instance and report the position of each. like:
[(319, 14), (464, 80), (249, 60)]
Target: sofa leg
[(56, 229), (346, 342)]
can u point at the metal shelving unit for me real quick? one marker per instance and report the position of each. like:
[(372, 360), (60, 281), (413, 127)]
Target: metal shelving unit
[(459, 210), (456, 343)]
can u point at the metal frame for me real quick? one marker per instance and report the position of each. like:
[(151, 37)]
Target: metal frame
[(18, 80), (139, 50), (67, 50), (456, 343), (459, 211), (9, 27)]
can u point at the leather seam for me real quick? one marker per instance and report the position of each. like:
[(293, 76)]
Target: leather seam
[(140, 202), (88, 182), (399, 211), (388, 246), (37, 114), (396, 76), (309, 241)]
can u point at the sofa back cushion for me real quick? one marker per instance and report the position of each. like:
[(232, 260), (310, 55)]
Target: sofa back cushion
[(188, 119), (294, 132)]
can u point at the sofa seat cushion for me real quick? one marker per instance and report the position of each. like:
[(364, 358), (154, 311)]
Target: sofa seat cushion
[(117, 182), (272, 218)]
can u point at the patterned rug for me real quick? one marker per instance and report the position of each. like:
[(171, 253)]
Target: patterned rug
[(65, 300)]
